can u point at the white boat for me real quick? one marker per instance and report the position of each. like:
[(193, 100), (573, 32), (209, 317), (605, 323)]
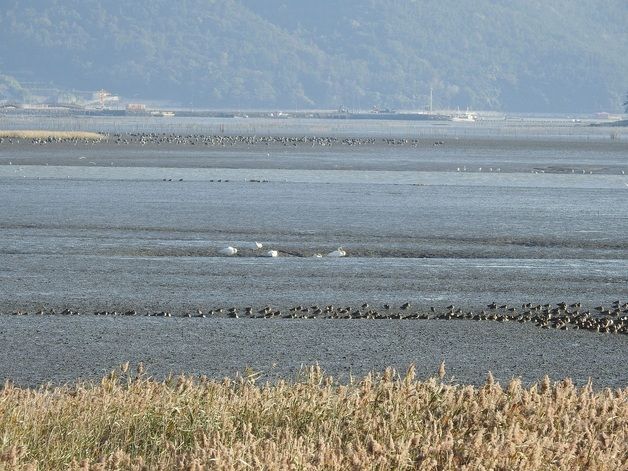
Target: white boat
[(162, 114), (465, 118)]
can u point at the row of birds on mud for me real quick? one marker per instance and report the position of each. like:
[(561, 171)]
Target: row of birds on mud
[(220, 180), (563, 316), (231, 140), (221, 140), (48, 140), (230, 251)]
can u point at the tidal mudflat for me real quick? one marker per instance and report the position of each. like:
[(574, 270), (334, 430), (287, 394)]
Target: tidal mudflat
[(465, 222), (61, 349)]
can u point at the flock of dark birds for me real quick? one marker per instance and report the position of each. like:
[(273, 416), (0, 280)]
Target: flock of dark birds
[(142, 138), (231, 140), (47, 140), (563, 316)]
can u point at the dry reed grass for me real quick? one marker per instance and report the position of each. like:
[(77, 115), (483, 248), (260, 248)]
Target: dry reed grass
[(63, 135), (129, 421)]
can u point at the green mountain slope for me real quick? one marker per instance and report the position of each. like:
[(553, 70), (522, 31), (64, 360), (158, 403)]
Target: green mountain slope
[(555, 55)]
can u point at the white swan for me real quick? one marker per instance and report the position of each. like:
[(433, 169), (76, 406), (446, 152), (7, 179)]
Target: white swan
[(229, 251), (317, 255), (272, 253), (339, 252)]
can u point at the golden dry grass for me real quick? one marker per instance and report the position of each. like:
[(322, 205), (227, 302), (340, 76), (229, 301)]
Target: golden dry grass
[(128, 421), (92, 136)]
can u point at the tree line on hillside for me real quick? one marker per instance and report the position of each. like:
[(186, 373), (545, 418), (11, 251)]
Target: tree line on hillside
[(541, 56)]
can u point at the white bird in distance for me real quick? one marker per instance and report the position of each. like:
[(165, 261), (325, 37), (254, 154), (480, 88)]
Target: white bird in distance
[(339, 252), (229, 251)]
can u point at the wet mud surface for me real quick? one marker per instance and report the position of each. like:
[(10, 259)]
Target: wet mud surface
[(58, 350), (467, 222)]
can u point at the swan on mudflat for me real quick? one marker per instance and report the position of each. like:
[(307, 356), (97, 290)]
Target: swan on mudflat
[(229, 251), (339, 252), (272, 253)]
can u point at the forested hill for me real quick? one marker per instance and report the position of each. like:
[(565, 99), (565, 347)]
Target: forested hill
[(537, 55)]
